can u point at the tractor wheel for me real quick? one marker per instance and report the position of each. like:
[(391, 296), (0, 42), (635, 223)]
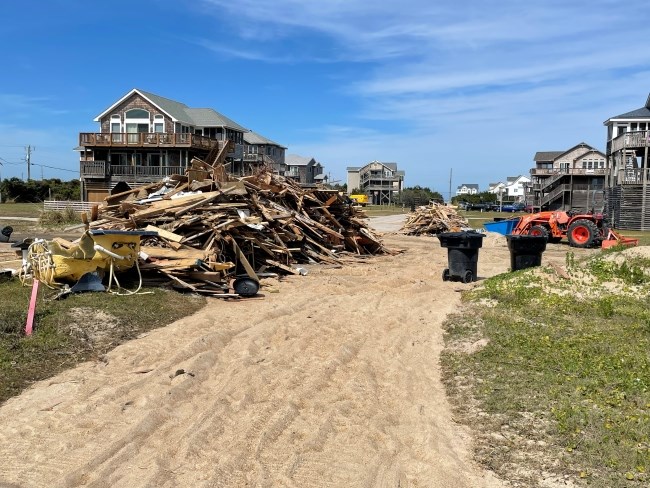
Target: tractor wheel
[(582, 233), (538, 230)]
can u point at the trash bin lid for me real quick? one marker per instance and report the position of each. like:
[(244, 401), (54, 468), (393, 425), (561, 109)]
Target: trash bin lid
[(526, 243), (465, 239)]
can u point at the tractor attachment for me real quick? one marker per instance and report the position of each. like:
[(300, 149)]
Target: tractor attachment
[(613, 238)]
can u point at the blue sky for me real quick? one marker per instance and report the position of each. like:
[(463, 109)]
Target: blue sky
[(477, 86)]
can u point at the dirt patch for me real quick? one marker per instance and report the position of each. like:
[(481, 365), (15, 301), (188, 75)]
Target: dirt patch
[(95, 327)]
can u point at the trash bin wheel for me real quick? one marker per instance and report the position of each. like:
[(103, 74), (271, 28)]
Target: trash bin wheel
[(445, 275), (246, 287), (468, 277)]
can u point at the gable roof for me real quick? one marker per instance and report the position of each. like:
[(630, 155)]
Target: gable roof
[(179, 112), (295, 160), (549, 156), (546, 155), (251, 137), (469, 185)]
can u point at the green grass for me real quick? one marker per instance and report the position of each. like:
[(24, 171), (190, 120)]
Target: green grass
[(21, 210), (79, 328), (563, 383)]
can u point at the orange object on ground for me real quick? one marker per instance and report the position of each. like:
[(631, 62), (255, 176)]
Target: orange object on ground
[(616, 239)]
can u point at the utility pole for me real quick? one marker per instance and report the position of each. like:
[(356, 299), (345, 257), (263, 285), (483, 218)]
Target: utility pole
[(450, 170), (29, 161)]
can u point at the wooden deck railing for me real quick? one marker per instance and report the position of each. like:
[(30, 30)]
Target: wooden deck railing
[(102, 170), (93, 169), (153, 171), (121, 139), (632, 176), (570, 171), (630, 140)]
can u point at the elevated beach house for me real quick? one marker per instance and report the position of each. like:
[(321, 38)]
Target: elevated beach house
[(144, 137), (628, 185), (569, 179)]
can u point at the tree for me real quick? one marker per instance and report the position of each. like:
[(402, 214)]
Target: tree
[(33, 191), (418, 195)]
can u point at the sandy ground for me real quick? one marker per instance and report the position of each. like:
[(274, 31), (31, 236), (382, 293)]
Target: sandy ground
[(332, 380)]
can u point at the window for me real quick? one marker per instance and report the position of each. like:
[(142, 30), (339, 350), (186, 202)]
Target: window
[(116, 123), (137, 113), (158, 124)]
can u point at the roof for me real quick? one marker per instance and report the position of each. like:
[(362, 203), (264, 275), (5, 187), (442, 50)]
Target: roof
[(207, 117), (179, 112), (353, 168), (251, 137), (469, 185), (639, 113), (295, 160), (547, 155)]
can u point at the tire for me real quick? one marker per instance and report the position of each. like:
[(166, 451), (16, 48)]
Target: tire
[(582, 233), (445, 275), (246, 287), (538, 230), (468, 277)]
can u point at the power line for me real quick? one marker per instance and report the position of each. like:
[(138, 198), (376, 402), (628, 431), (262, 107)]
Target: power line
[(54, 167)]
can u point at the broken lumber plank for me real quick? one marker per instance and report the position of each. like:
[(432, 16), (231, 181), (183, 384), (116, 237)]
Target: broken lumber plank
[(170, 236)]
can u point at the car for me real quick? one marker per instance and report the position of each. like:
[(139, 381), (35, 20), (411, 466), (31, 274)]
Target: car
[(482, 207), (513, 207), (463, 205)]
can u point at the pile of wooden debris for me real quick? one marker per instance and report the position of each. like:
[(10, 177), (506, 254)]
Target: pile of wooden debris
[(433, 219), (212, 227)]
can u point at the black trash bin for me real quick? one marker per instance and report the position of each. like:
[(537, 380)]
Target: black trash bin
[(525, 251), (462, 254)]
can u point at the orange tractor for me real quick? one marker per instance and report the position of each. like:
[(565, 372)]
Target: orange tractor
[(581, 230)]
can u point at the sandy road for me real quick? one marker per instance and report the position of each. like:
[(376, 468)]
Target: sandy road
[(333, 381)]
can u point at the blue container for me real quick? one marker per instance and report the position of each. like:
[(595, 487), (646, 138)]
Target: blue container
[(503, 227)]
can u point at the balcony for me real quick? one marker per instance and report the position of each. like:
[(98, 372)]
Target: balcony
[(102, 170), (93, 169), (632, 176), (144, 140), (569, 171), (629, 140)]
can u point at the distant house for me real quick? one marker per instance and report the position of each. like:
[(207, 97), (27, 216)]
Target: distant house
[(144, 137), (382, 182), (627, 178), (497, 188), (516, 187), (467, 189), (260, 151), (570, 179), (303, 170)]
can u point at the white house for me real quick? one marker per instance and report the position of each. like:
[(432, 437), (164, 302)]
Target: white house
[(467, 189), (515, 187), (497, 188)]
